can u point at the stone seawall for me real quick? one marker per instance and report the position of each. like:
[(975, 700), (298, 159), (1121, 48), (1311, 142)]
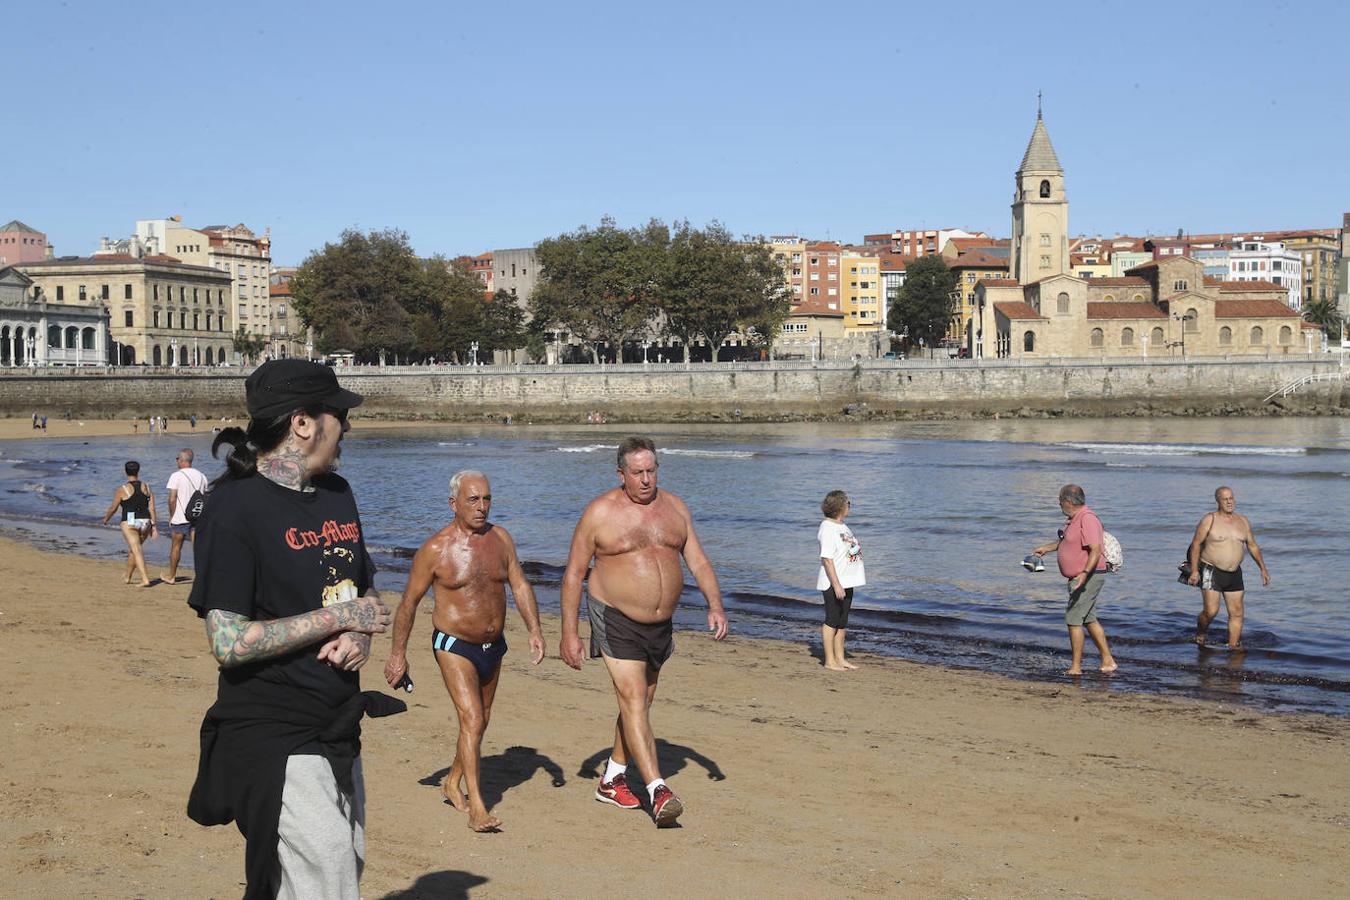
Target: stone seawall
[(758, 390)]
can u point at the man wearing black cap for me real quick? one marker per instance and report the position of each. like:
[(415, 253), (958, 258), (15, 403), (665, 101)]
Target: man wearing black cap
[(285, 585)]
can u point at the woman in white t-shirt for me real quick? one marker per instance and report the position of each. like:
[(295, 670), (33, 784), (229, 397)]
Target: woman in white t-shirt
[(841, 570)]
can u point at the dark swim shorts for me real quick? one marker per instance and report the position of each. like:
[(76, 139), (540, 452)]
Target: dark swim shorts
[(615, 635), (1221, 580), (485, 657)]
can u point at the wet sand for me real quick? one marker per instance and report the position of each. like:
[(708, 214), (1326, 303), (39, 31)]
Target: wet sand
[(895, 780)]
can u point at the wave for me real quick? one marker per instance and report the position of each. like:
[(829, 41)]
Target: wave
[(589, 448), (455, 444), (712, 454), (1181, 449)]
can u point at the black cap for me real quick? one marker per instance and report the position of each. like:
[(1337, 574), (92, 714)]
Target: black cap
[(282, 386)]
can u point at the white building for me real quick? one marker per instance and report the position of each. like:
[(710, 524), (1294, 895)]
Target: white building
[(1273, 262)]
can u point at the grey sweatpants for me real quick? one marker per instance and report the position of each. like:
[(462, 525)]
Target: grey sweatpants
[(321, 837)]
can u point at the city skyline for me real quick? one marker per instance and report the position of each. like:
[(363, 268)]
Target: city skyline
[(472, 132)]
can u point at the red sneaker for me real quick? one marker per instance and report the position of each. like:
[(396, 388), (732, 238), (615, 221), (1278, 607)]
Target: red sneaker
[(666, 807), (617, 793)]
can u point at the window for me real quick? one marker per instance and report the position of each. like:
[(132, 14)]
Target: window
[(83, 294), (53, 335), (1225, 336), (155, 290), (1045, 262), (182, 294), (103, 291), (815, 260), (1029, 342), (208, 321), (1158, 338), (1045, 240), (194, 295), (1109, 298), (1062, 304), (87, 339), (1286, 335), (126, 316), (154, 319), (1097, 338), (834, 276), (196, 323), (1138, 298), (815, 292), (1045, 188), (1192, 321), (126, 292), (1179, 284), (833, 261), (1127, 337), (60, 293), (1258, 336)]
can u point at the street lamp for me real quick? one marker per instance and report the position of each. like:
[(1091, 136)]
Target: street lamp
[(173, 353), (474, 348), (1183, 319)]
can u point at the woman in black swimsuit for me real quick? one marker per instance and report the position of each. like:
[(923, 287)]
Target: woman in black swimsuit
[(135, 506)]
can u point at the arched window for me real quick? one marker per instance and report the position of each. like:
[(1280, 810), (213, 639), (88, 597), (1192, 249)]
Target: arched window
[(72, 336), (1158, 338), (155, 355), (1192, 320), (87, 339), (1258, 336), (1127, 337), (1108, 298), (210, 356), (1029, 342), (53, 335), (1286, 335), (182, 356), (1138, 298), (1062, 304), (1225, 336), (1097, 337), (1045, 189)]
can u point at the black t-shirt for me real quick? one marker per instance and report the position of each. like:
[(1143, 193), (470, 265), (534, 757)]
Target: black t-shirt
[(267, 552)]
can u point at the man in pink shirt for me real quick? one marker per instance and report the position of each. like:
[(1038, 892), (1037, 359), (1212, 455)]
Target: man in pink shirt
[(1079, 551)]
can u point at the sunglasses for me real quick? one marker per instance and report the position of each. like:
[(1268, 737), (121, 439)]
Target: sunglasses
[(339, 414)]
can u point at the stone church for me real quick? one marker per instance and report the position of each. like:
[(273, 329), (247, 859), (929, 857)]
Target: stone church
[(1166, 307)]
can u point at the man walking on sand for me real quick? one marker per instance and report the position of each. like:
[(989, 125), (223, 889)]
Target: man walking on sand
[(637, 536), (1079, 551), (1222, 539), (183, 483), (469, 564)]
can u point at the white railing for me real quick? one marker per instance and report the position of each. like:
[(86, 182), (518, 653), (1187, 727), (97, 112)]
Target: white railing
[(1297, 383)]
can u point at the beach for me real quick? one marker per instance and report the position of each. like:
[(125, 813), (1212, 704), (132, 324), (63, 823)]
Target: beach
[(896, 780)]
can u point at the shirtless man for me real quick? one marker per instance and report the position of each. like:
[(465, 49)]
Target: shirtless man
[(636, 535), (1221, 541), (469, 563)]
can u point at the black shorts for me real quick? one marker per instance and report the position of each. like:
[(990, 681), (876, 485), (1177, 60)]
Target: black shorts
[(615, 635), (1221, 580), (836, 610)]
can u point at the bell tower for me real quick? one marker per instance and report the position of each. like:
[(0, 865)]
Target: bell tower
[(1040, 211)]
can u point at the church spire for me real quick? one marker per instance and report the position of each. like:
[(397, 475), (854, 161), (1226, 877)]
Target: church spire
[(1040, 155)]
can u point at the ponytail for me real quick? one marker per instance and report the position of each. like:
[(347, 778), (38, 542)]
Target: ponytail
[(262, 435)]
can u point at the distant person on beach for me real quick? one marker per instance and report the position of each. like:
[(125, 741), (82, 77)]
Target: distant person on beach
[(1222, 540), (183, 483), (285, 585), (135, 505), (841, 570), (468, 563), (1079, 551), (637, 536)]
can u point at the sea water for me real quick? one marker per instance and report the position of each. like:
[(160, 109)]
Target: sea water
[(944, 513)]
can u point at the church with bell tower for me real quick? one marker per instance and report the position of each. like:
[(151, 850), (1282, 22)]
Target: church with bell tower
[(1040, 212)]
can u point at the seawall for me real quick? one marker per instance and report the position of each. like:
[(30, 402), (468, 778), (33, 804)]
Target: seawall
[(758, 390)]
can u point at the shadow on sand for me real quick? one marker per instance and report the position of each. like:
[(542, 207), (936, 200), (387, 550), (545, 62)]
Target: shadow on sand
[(451, 884), (511, 768), (672, 758)]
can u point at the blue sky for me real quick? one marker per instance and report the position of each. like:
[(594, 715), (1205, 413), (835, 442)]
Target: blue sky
[(476, 126)]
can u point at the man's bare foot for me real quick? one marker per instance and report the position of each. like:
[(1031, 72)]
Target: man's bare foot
[(484, 822), (836, 668), (1073, 671), (146, 583), (1199, 639), (1110, 668), (848, 665), (453, 795), (167, 580)]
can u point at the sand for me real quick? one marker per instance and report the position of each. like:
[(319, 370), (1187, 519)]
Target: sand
[(895, 780)]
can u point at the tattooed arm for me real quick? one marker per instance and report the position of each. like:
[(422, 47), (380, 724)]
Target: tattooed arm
[(236, 640)]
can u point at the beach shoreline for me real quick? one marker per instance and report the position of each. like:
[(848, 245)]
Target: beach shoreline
[(900, 778)]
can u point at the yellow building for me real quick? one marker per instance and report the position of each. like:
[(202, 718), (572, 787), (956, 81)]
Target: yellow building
[(860, 292), (971, 268)]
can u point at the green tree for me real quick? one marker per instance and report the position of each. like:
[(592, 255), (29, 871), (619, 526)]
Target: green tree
[(925, 306), (598, 283), (711, 286), (1325, 314), (248, 346), (363, 292)]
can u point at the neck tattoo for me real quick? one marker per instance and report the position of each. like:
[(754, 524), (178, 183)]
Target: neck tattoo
[(285, 466)]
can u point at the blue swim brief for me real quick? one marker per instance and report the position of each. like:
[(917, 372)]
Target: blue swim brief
[(485, 657)]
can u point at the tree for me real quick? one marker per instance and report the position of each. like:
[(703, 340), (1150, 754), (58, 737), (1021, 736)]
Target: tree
[(354, 293), (598, 283), (712, 286), (1325, 314), (248, 346), (925, 306)]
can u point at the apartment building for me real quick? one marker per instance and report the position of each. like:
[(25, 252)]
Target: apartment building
[(1254, 260)]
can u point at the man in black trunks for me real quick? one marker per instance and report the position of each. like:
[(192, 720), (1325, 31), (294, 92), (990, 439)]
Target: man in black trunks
[(469, 564), (1222, 540), (637, 536)]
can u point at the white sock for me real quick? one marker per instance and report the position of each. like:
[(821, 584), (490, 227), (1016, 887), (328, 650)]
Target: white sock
[(651, 788), (614, 769)]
